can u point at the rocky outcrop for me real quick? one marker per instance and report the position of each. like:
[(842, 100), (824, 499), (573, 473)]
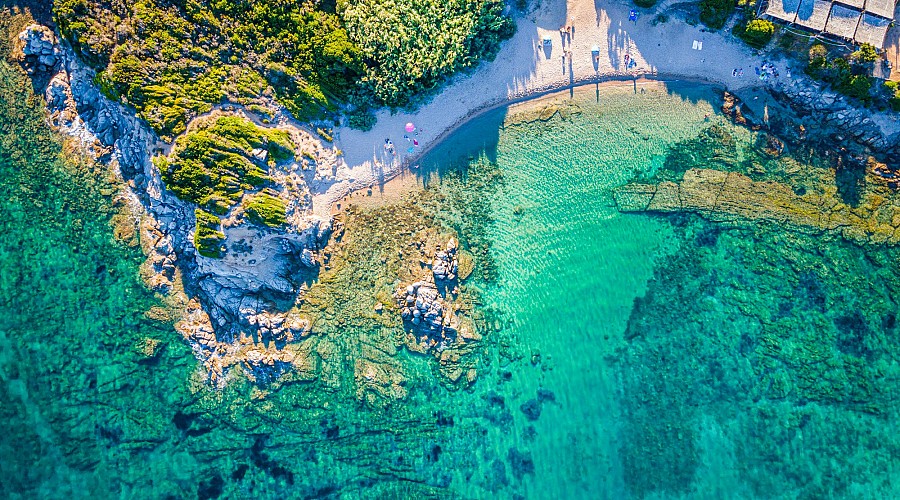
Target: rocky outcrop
[(282, 328), (445, 265), (733, 108), (40, 52), (837, 121), (236, 305), (427, 305), (427, 314), (732, 197)]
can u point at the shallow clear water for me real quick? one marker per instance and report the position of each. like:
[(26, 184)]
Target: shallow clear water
[(683, 355), (625, 355)]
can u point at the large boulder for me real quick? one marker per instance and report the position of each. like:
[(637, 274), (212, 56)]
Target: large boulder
[(40, 52)]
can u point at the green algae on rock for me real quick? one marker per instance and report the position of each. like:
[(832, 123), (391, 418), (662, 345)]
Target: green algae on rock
[(725, 196), (379, 251)]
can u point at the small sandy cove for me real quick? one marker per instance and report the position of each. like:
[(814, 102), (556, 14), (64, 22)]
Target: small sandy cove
[(601, 37)]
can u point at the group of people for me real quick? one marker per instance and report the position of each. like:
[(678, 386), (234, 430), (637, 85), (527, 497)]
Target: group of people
[(738, 72), (391, 150), (566, 33), (767, 70)]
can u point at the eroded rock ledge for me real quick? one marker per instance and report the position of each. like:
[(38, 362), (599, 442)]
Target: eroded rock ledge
[(733, 197)]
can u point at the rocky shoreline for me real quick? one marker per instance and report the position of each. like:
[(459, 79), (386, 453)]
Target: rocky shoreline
[(864, 210), (227, 303), (829, 116)]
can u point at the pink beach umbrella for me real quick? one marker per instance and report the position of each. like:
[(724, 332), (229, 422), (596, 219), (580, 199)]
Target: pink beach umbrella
[(410, 127)]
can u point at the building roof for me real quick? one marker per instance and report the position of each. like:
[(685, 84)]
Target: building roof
[(786, 10), (862, 21), (872, 30), (813, 14), (883, 8), (853, 3), (843, 21)]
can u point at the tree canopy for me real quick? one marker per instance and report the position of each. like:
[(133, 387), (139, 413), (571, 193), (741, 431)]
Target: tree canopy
[(174, 59)]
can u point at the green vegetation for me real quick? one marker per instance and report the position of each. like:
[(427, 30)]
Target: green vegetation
[(214, 164), (174, 60), (865, 54), (715, 13), (892, 91), (266, 209), (847, 75), (361, 118), (208, 238), (413, 44), (757, 33)]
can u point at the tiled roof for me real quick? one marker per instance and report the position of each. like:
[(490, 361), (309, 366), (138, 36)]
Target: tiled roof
[(786, 10), (883, 8)]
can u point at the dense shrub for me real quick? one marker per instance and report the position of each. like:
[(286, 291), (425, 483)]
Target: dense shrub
[(757, 33), (208, 238), (645, 3), (715, 13), (892, 89), (361, 118), (267, 210), (413, 44), (845, 76), (866, 54), (173, 60), (856, 86), (214, 164)]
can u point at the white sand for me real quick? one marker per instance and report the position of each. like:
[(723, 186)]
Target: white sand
[(526, 66)]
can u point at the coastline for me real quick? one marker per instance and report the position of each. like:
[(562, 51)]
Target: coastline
[(223, 288), (406, 177), (606, 80), (525, 69)]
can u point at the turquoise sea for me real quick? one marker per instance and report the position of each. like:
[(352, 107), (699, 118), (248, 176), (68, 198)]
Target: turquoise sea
[(624, 355)]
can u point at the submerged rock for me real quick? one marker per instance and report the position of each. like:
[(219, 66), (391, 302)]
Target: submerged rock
[(730, 196)]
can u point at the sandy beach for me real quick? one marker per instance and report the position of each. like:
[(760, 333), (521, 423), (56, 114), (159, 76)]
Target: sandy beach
[(601, 38)]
